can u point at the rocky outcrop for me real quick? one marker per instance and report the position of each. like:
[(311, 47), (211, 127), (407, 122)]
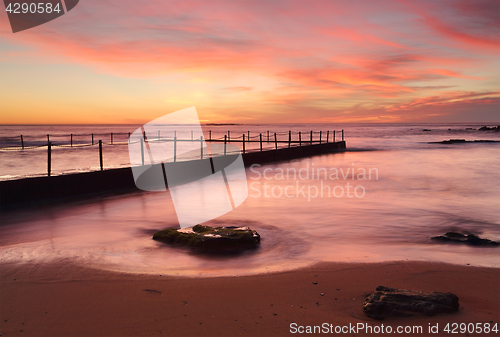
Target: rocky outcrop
[(468, 239), (387, 302), (493, 128), (458, 141), (212, 240)]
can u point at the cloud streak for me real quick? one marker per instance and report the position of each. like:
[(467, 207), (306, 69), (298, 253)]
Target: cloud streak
[(327, 58)]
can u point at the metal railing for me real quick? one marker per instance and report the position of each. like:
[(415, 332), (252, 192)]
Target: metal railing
[(291, 139)]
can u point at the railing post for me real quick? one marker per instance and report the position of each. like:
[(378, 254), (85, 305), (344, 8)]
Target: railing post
[(49, 157), (229, 136), (225, 141), (248, 135), (243, 143), (300, 139), (142, 151), (311, 138), (71, 140), (92, 139), (22, 142), (175, 146), (191, 134), (275, 141), (327, 134), (201, 146), (260, 141), (209, 135), (111, 137), (158, 134), (48, 140), (320, 137), (342, 134), (334, 136), (129, 137), (100, 154), (289, 138), (268, 136)]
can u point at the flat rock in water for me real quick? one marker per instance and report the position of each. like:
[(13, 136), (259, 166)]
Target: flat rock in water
[(493, 128), (212, 240), (386, 302), (468, 239), (461, 141)]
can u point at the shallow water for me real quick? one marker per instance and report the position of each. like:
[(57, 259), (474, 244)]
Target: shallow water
[(416, 190)]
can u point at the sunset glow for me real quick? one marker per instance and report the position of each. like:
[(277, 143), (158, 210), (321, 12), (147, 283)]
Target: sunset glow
[(255, 62)]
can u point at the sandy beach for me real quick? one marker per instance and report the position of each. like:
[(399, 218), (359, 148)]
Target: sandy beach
[(63, 299)]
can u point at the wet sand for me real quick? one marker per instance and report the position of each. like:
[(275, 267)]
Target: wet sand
[(63, 299)]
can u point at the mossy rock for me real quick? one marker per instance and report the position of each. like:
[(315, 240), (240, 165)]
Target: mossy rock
[(213, 240)]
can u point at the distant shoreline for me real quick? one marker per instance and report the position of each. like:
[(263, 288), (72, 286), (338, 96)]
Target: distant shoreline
[(219, 124), (490, 123)]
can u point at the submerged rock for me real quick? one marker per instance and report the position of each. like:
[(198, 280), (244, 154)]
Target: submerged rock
[(214, 240), (394, 302), (452, 141), (468, 239)]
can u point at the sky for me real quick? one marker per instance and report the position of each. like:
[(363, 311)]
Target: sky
[(252, 61)]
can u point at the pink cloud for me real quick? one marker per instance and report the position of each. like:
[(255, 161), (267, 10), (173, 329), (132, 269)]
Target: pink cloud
[(384, 56), (450, 98), (473, 24)]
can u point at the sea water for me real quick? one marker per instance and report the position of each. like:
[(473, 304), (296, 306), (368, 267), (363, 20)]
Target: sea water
[(382, 199)]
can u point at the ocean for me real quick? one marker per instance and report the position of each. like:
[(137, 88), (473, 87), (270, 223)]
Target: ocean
[(382, 199)]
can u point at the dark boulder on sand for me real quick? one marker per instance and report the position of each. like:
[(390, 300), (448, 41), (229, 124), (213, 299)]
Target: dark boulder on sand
[(468, 239), (392, 302), (212, 240)]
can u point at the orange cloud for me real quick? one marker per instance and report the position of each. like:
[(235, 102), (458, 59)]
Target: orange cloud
[(335, 60)]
